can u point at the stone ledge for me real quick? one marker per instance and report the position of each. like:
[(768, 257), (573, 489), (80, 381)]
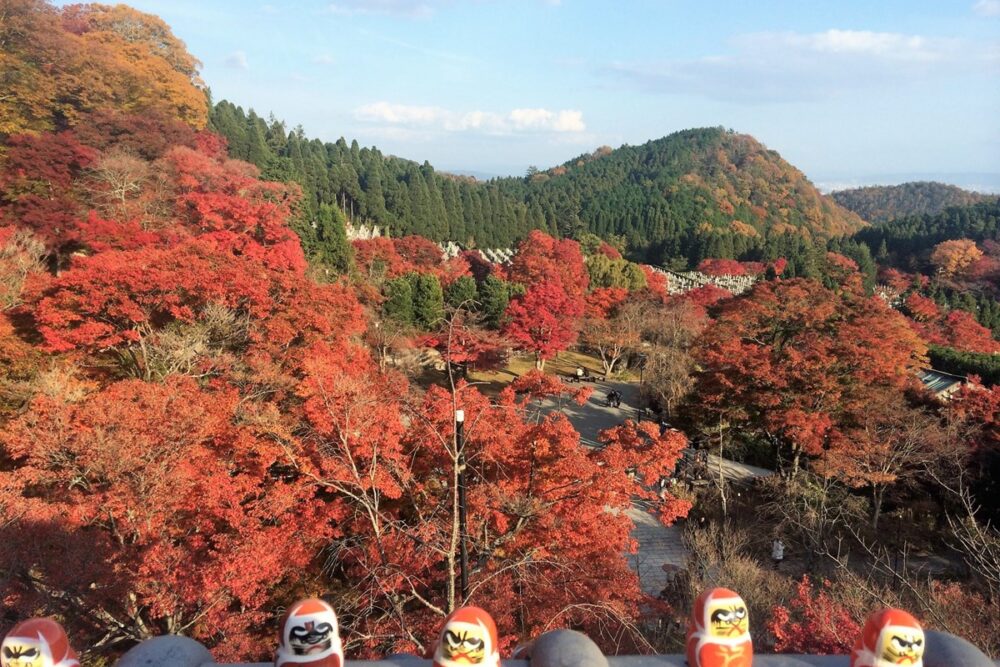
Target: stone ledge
[(943, 650)]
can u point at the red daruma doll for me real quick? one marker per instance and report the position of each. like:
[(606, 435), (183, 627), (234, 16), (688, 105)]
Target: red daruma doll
[(719, 632), (37, 642), (890, 637), (310, 636), (469, 637)]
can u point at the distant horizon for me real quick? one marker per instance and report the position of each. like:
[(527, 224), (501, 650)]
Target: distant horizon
[(986, 184)]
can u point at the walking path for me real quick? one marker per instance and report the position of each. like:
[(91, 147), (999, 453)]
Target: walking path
[(661, 551)]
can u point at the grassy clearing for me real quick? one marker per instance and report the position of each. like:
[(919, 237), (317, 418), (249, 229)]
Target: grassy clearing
[(492, 382)]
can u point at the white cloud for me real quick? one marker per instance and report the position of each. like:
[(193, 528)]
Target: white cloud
[(486, 122), (790, 66), (237, 60), (268, 9), (323, 59), (543, 119), (987, 7)]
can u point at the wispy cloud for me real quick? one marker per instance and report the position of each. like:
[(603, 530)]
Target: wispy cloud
[(885, 45), (323, 59), (790, 66), (987, 7), (401, 8), (434, 53), (411, 9), (431, 118), (237, 60)]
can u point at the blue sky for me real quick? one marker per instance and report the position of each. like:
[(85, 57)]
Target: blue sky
[(848, 91)]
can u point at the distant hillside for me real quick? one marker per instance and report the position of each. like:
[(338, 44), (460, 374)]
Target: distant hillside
[(694, 194), (699, 193), (907, 242), (881, 203)]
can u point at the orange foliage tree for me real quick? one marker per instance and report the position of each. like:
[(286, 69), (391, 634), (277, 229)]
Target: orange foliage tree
[(151, 508), (791, 360), (543, 320), (813, 623), (62, 64)]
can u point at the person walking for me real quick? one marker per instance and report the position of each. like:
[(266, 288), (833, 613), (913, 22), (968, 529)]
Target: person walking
[(777, 552)]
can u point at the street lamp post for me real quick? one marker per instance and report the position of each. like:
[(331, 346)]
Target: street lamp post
[(462, 509)]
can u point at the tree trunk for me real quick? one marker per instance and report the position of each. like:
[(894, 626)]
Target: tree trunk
[(453, 545), (722, 478), (796, 453), (878, 493), (539, 362)]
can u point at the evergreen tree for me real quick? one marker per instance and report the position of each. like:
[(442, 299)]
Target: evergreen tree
[(883, 252), (494, 295), (428, 300), (461, 291), (332, 248), (398, 304)]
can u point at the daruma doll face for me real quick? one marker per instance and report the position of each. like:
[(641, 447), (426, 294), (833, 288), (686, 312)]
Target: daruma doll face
[(727, 618), (901, 645)]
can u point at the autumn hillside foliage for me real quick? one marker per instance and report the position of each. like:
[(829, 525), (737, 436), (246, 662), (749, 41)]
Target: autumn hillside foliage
[(60, 65), (198, 426)]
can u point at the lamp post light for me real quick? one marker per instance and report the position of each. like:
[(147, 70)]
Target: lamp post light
[(462, 509)]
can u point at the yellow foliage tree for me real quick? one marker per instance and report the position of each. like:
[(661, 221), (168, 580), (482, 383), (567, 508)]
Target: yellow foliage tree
[(952, 258)]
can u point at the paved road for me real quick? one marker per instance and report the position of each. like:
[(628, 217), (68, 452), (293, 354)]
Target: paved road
[(659, 545)]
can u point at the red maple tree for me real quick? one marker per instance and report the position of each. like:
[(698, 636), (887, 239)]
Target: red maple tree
[(543, 320), (791, 360)]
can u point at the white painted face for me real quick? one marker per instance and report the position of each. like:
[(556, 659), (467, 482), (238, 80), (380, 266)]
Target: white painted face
[(311, 634), (465, 644), (25, 652)]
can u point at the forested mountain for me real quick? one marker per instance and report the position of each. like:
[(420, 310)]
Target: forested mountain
[(692, 195), (907, 242), (881, 203), (707, 192)]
